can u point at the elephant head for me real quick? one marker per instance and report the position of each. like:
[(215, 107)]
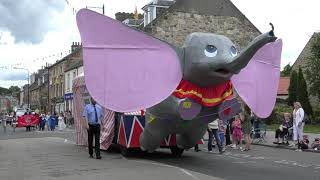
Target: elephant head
[(211, 59)]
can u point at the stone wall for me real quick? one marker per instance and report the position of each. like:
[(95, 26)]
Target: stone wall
[(303, 58), (173, 27), (302, 61)]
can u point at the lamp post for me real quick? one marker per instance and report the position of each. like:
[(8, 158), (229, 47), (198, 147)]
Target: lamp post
[(28, 84)]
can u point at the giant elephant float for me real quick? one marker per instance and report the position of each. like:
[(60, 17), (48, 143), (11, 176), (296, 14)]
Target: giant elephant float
[(181, 88)]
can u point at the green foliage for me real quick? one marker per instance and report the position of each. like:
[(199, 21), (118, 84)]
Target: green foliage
[(121, 16), (14, 89), (286, 71), (292, 90), (312, 71), (4, 91), (302, 94), (277, 113)]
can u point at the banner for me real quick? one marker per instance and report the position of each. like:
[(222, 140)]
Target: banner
[(28, 120)]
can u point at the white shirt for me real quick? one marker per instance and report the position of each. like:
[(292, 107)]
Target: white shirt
[(298, 116), (214, 124)]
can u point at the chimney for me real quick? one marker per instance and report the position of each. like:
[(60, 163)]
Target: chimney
[(74, 46)]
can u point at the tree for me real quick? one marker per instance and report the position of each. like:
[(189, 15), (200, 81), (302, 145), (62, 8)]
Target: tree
[(312, 71), (286, 71), (4, 91), (121, 16), (14, 89), (292, 90), (302, 94)]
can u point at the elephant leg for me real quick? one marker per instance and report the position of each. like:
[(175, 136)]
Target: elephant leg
[(189, 138), (154, 132)]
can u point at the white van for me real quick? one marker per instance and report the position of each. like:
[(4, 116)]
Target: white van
[(20, 112)]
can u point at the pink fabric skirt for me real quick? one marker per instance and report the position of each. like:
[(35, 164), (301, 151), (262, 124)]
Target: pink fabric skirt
[(237, 134)]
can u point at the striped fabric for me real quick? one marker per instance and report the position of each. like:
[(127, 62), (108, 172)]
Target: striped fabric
[(107, 126)]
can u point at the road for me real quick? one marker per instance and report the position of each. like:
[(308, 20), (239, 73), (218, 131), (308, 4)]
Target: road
[(53, 156)]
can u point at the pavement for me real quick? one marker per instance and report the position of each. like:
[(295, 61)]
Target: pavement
[(270, 138), (54, 156)]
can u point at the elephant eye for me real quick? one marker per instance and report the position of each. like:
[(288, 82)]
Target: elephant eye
[(211, 51), (233, 51)]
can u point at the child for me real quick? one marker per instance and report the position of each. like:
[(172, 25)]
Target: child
[(304, 144), (237, 132), (221, 132), (316, 144)]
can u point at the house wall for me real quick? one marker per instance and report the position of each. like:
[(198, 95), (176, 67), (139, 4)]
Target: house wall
[(173, 27)]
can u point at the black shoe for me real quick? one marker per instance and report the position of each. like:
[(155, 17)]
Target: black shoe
[(90, 156), (98, 157)]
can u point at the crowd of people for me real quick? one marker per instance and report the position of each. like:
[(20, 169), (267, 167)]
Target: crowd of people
[(46, 121), (51, 121), (232, 134), (292, 126), (241, 129)]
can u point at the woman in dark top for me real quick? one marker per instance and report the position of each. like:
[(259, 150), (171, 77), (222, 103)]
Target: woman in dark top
[(283, 129)]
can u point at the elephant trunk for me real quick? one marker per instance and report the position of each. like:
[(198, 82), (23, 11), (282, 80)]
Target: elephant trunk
[(241, 60)]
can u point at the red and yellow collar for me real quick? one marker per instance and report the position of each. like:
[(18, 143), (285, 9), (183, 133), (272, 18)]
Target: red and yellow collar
[(206, 96)]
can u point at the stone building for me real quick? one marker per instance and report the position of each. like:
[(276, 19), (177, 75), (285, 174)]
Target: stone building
[(302, 61), (173, 24), (73, 68), (34, 92), (24, 96), (56, 79), (39, 90)]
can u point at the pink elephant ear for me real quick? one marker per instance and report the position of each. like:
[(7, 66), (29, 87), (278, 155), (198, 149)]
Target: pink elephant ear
[(257, 83), (125, 69)]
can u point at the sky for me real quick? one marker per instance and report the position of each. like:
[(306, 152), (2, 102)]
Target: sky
[(33, 35)]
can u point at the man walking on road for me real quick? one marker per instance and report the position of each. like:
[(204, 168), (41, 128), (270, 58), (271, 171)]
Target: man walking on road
[(93, 114)]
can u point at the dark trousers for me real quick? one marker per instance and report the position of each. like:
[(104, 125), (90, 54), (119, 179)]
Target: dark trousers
[(228, 140), (94, 130), (214, 132), (281, 134)]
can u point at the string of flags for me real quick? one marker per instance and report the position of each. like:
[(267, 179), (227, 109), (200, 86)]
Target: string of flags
[(45, 59)]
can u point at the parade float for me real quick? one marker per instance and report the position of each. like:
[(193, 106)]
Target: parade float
[(182, 88)]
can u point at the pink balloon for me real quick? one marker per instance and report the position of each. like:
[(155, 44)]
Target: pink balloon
[(257, 83), (125, 70)]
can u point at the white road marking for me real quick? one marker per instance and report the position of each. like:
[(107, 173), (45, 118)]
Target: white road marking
[(170, 166)]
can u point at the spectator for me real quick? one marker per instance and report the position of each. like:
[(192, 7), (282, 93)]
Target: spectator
[(304, 144), (52, 123), (246, 117), (213, 131), (316, 144), (283, 129), (298, 124), (61, 123), (236, 133), (221, 132), (48, 116), (42, 122)]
